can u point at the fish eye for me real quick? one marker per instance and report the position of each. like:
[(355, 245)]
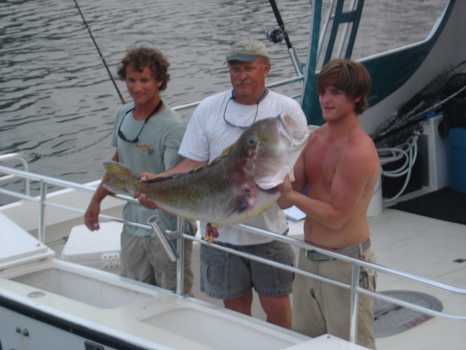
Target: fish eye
[(252, 142)]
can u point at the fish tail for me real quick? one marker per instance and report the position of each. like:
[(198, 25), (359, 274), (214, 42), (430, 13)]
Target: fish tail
[(119, 179)]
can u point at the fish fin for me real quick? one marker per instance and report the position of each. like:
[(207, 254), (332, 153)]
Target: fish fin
[(261, 208), (226, 152), (119, 179), (246, 198)]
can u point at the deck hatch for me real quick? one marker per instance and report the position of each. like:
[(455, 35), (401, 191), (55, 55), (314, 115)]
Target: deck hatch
[(391, 319), (17, 246)]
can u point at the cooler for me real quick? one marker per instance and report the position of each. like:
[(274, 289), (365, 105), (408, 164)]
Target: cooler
[(457, 159), (99, 249)]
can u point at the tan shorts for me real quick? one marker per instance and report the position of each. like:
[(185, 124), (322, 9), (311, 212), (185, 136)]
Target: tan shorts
[(144, 259), (320, 308)]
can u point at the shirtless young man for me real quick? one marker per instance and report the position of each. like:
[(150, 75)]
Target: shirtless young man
[(335, 179)]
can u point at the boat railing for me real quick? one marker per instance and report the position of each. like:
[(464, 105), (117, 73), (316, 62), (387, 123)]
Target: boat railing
[(355, 289), (19, 158), (284, 82)]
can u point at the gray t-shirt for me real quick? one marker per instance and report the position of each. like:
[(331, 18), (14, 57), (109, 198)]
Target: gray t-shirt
[(155, 151)]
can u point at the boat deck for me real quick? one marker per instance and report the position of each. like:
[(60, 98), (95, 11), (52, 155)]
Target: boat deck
[(406, 242), (428, 248)]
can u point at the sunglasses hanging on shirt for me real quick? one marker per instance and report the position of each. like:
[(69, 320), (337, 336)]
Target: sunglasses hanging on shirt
[(235, 125), (136, 139)]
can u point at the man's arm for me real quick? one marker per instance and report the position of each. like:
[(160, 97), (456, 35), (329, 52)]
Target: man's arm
[(347, 187), (91, 216), (297, 184), (184, 166)]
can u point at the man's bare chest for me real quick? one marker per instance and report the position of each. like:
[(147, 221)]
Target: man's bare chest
[(323, 163)]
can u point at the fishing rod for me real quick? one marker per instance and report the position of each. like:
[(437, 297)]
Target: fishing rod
[(278, 35), (418, 117), (98, 50), (414, 116)]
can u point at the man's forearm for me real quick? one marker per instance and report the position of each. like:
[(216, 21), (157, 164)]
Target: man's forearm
[(100, 193), (184, 166), (321, 212)]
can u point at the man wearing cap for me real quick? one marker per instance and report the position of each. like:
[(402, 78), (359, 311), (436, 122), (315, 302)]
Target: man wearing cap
[(217, 123)]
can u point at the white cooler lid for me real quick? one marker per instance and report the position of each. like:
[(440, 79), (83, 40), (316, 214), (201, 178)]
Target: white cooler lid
[(17, 246), (82, 242)]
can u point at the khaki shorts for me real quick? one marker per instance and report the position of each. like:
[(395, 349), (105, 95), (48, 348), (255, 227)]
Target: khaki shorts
[(143, 258), (320, 308)]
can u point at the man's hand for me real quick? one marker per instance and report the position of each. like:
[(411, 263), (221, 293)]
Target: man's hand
[(91, 217), (145, 201), (141, 197), (145, 176), (286, 189), (211, 233)]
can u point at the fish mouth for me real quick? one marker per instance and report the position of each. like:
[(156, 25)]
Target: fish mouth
[(271, 190), (279, 155)]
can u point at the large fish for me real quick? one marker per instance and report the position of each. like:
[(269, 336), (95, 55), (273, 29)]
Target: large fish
[(233, 188)]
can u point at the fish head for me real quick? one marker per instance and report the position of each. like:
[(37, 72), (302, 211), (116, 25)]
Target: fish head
[(280, 141), (247, 145)]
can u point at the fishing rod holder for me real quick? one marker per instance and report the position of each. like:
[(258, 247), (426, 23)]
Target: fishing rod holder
[(165, 237)]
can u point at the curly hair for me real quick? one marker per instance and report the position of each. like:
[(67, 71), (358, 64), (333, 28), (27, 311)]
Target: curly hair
[(348, 76), (142, 57)]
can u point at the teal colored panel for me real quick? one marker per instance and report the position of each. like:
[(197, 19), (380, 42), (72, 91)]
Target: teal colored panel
[(309, 93), (389, 72)]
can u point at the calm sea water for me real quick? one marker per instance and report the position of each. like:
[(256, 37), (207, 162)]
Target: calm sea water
[(57, 103)]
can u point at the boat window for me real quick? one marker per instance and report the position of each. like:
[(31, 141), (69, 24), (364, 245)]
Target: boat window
[(387, 25)]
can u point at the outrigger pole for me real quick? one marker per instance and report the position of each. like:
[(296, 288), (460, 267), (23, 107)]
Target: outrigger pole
[(291, 50), (98, 50)]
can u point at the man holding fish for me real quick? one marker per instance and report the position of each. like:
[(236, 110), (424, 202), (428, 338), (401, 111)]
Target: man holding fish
[(146, 135), (335, 179), (267, 148)]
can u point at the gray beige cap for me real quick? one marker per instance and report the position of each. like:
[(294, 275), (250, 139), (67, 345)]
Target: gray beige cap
[(247, 51)]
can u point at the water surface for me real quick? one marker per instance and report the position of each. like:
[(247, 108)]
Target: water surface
[(57, 104)]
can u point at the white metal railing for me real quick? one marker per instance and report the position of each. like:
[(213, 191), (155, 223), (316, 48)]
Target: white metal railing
[(298, 78), (356, 263), (24, 163)]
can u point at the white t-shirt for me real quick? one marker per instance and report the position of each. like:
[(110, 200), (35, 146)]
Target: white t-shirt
[(208, 135)]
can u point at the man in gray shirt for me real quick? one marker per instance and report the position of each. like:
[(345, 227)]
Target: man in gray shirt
[(147, 135)]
